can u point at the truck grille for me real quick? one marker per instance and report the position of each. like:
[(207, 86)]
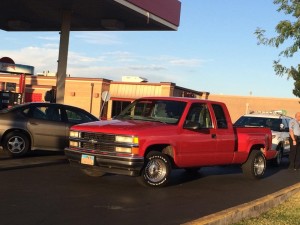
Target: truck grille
[(97, 142), (98, 137), (97, 147)]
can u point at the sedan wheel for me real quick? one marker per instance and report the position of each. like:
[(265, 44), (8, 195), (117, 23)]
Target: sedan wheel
[(16, 144)]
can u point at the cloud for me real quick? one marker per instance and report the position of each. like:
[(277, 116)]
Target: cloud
[(40, 58), (148, 67), (121, 56), (110, 65), (98, 38), (49, 45), (186, 62), (49, 38), (77, 59)]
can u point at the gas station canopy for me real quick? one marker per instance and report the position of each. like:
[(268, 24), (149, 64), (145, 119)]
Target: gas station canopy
[(90, 15), (86, 15)]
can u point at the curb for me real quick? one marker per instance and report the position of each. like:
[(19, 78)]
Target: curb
[(11, 164), (247, 210)]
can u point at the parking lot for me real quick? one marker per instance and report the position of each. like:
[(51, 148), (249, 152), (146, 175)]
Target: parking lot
[(43, 189)]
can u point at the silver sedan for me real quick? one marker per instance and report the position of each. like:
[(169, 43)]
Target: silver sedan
[(38, 126)]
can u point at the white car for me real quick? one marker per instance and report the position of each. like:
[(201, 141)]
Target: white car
[(279, 125)]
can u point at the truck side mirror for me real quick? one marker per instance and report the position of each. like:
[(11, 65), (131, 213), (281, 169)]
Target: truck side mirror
[(192, 125)]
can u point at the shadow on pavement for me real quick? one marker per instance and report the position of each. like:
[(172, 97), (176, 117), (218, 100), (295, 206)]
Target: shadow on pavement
[(181, 176), (37, 153)]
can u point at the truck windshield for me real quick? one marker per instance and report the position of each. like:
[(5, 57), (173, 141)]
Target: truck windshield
[(251, 121), (162, 111)]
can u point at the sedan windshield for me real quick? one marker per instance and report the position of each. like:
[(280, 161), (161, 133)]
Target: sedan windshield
[(162, 111), (249, 121)]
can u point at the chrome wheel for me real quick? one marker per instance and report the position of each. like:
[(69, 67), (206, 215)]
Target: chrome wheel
[(259, 165), (255, 166), (156, 170)]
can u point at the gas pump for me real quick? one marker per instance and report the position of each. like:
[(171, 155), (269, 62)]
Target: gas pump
[(8, 92), (8, 99)]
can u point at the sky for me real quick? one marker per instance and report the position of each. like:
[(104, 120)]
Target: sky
[(214, 50)]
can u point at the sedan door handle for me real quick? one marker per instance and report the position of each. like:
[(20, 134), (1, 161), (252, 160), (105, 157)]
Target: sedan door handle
[(213, 136), (33, 123)]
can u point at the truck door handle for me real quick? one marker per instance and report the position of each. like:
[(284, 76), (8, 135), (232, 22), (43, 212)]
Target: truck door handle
[(213, 136)]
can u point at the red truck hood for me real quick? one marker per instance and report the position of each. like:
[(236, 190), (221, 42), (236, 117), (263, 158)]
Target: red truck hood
[(131, 127)]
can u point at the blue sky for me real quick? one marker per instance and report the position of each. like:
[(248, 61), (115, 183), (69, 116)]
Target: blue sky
[(214, 50)]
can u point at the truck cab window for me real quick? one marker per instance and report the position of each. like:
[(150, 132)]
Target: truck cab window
[(199, 114), (220, 116)]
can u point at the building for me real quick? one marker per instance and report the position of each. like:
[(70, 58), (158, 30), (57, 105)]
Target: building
[(240, 105), (86, 93)]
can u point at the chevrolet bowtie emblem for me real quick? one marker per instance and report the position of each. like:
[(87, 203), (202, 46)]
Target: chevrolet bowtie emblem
[(93, 141)]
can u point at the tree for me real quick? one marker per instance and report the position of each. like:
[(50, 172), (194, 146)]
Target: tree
[(288, 34)]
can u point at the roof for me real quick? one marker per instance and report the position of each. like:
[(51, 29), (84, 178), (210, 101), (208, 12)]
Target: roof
[(262, 115), (182, 99), (90, 15)]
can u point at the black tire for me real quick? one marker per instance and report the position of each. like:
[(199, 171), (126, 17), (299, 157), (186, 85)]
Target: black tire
[(92, 172), (156, 171), (255, 166), (16, 144), (277, 161)]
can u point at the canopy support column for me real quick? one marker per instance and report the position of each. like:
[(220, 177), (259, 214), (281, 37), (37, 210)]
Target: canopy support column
[(63, 57)]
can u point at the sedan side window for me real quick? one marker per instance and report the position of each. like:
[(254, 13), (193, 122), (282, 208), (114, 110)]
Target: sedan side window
[(77, 117), (38, 113), (53, 114), (46, 113)]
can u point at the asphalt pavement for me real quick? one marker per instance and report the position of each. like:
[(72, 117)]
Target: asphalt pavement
[(34, 159), (60, 194)]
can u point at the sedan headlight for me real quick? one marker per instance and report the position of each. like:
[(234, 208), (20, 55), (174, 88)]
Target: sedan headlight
[(127, 139), (74, 134)]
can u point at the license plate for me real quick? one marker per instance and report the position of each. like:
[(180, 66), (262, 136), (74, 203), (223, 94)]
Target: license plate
[(87, 159)]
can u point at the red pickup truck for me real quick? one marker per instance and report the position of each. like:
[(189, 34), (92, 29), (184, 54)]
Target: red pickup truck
[(154, 135)]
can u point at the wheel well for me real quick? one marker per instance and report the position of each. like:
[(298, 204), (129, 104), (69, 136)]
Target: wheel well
[(17, 130), (257, 147), (163, 148)]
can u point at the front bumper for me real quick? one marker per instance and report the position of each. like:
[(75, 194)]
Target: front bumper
[(130, 166)]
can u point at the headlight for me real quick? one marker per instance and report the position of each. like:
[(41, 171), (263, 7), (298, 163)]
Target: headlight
[(127, 139), (75, 134), (74, 144), (123, 150), (273, 136)]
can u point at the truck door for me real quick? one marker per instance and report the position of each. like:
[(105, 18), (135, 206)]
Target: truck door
[(198, 142), (225, 136)]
